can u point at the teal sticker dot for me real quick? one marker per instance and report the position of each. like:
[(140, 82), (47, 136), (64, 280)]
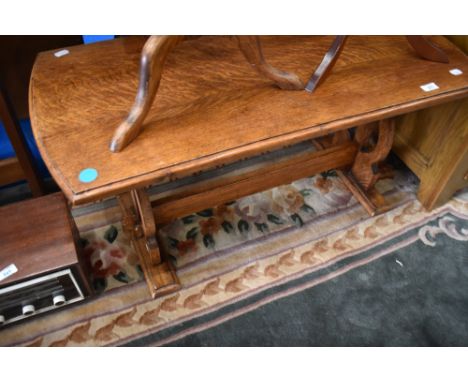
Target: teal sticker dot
[(88, 175)]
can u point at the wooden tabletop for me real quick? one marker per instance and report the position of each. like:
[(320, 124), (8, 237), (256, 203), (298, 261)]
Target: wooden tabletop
[(212, 107)]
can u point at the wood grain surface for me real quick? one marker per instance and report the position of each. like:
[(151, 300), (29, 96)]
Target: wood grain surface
[(433, 143), (37, 236), (212, 108)]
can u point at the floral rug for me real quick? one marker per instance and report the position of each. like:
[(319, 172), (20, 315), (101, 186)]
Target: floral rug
[(205, 236), (225, 256)]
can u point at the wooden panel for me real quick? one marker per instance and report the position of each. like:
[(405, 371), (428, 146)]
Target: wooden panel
[(413, 158), (38, 237), (433, 195), (426, 130), (212, 107), (201, 195), (10, 171), (449, 164), (433, 144)]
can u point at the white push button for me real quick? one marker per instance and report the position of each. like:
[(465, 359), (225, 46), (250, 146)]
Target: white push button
[(59, 300), (28, 310)]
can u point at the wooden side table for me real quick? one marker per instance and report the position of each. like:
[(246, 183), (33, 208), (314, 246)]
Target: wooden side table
[(213, 111)]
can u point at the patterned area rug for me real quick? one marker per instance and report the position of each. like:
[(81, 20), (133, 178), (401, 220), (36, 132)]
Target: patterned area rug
[(301, 264)]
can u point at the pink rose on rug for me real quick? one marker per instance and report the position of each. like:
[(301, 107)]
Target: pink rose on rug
[(187, 246), (328, 193), (253, 208), (224, 212), (106, 259), (286, 199)]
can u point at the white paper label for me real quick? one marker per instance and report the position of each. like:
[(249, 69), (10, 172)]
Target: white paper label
[(455, 72), (429, 87), (61, 53), (8, 271)]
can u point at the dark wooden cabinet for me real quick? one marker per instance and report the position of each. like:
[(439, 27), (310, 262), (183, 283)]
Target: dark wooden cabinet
[(40, 248)]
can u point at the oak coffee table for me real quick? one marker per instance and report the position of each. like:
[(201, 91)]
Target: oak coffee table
[(218, 131)]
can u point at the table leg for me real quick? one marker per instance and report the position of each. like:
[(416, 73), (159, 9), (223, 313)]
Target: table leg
[(366, 169), (138, 222), (366, 165)]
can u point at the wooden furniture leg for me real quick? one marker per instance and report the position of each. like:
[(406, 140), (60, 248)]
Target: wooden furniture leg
[(426, 49), (365, 168), (153, 57), (138, 221), (365, 171), (327, 64), (251, 47), (337, 138), (25, 158)]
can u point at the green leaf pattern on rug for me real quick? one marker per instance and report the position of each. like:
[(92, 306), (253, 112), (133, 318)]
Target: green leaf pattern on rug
[(111, 234), (122, 277), (227, 227), (173, 242), (208, 241), (206, 213), (329, 174), (254, 215), (243, 226), (99, 284), (189, 219), (306, 208), (83, 242), (192, 234), (297, 220), (140, 271), (262, 227), (274, 219)]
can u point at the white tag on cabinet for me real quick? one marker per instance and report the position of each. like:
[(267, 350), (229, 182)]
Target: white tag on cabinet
[(8, 271)]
